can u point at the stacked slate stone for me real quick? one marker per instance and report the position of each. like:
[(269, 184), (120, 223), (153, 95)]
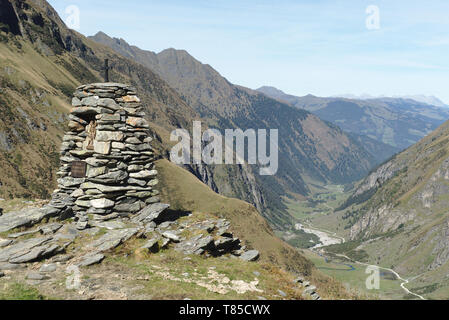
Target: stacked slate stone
[(109, 136)]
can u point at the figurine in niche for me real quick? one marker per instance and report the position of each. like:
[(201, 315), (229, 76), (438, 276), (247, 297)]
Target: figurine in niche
[(91, 130)]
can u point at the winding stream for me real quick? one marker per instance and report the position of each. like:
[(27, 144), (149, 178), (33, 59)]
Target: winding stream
[(329, 238)]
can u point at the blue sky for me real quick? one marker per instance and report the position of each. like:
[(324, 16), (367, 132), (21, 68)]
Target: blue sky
[(319, 47)]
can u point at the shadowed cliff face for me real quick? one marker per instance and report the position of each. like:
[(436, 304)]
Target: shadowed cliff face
[(8, 18)]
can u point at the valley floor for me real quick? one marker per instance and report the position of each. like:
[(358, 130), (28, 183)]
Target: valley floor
[(323, 228)]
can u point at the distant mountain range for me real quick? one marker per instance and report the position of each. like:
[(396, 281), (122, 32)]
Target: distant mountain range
[(432, 100), (397, 122)]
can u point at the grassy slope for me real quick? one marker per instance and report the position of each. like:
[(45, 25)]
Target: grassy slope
[(25, 169), (186, 193)]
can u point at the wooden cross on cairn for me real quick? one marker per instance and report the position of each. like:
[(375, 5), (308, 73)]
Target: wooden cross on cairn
[(106, 69)]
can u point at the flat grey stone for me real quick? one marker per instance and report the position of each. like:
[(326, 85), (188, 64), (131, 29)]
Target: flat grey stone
[(21, 234), (102, 203), (76, 102), (89, 101), (35, 254), (282, 293), (139, 147), (149, 227), (152, 245), (109, 225), (165, 225), (113, 239), (62, 258), (196, 245), (67, 232), (310, 290), (109, 136), (165, 243), (115, 177), (36, 276), (152, 200), (133, 207), (5, 242), (145, 174), (108, 217), (150, 213), (47, 268), (108, 103), (251, 255), (70, 182), (91, 259), (27, 217), (82, 225), (21, 248), (50, 228), (10, 266), (171, 236), (141, 183), (109, 189), (315, 296), (133, 140)]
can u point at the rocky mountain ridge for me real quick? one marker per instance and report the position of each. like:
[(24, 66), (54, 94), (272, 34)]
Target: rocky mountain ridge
[(395, 123), (430, 100)]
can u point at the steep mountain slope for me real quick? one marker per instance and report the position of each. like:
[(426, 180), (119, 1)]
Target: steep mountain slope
[(399, 214), (185, 193), (392, 121), (41, 65), (309, 149)]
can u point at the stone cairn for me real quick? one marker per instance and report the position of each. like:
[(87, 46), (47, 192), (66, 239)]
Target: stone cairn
[(107, 167), (106, 180)]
